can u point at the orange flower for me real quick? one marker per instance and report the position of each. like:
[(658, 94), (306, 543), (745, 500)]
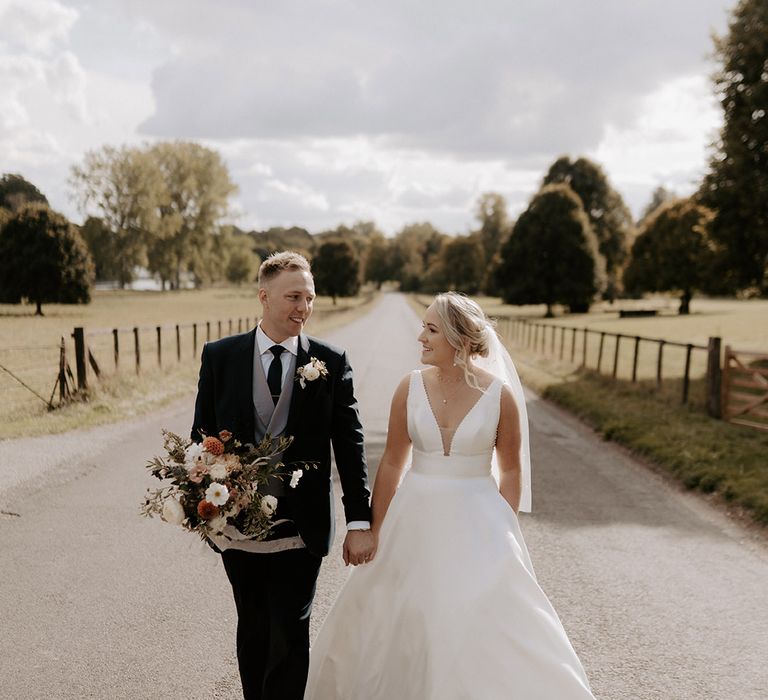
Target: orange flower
[(225, 435), (206, 510), (213, 445)]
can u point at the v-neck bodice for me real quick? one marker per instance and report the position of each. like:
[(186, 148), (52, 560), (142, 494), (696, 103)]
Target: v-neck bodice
[(472, 443)]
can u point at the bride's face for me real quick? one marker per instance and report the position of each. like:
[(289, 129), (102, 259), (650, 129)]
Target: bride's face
[(435, 348)]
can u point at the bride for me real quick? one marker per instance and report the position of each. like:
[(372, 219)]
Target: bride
[(449, 608)]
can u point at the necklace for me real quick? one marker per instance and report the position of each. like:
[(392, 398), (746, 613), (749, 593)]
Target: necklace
[(447, 397)]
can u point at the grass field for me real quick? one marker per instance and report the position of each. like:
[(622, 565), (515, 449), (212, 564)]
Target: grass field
[(29, 347)]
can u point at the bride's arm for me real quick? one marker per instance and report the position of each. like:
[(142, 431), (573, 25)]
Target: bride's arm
[(508, 449), (394, 458)]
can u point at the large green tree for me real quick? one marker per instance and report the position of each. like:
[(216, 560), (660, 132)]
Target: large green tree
[(552, 254), (43, 260), (336, 269), (673, 252), (125, 188), (100, 244), (609, 216), (15, 192), (197, 188), (736, 186)]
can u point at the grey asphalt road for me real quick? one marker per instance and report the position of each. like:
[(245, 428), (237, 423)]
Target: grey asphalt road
[(661, 595)]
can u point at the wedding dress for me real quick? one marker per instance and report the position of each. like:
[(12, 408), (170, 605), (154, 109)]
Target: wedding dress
[(449, 609)]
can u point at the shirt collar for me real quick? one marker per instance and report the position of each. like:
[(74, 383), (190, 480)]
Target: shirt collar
[(291, 343)]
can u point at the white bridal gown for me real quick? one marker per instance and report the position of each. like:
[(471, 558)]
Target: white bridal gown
[(450, 608)]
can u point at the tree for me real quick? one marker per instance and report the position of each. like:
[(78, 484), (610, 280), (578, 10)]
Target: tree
[(196, 195), (336, 269), (236, 249), (461, 265), (43, 260), (415, 251), (125, 186), (100, 244), (673, 252), (609, 217), (378, 261), (552, 254), (491, 211), (15, 192), (736, 186), (661, 195)]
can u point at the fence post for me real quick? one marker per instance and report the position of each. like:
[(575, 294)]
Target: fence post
[(725, 383), (116, 343), (137, 348), (230, 327), (634, 360), (714, 378), (562, 340), (573, 343), (178, 343), (658, 364), (552, 340), (159, 347), (80, 359), (239, 325), (207, 331), (584, 350), (194, 340), (600, 351), (63, 388), (219, 329), (686, 377), (616, 356)]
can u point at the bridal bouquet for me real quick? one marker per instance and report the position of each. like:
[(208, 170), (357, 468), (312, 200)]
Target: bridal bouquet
[(216, 483)]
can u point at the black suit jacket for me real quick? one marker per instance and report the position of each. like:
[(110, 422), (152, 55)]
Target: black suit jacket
[(323, 413)]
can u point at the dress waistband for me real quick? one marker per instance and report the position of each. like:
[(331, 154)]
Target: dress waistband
[(437, 464)]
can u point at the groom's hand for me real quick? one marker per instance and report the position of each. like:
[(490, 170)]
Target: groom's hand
[(359, 547)]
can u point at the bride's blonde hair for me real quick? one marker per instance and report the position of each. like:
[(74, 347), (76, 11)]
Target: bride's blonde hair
[(466, 328)]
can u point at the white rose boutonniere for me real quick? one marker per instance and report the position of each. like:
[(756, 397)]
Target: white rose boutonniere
[(314, 369)]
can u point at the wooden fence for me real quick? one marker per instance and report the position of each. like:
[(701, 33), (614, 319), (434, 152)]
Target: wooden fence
[(745, 388), (601, 351)]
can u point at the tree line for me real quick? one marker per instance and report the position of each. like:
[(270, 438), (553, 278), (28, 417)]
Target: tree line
[(162, 207)]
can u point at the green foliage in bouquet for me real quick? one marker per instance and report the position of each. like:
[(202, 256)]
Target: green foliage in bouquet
[(217, 485)]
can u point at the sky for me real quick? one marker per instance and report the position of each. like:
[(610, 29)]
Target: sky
[(334, 111)]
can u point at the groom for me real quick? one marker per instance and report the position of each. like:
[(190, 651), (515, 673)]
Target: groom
[(248, 385)]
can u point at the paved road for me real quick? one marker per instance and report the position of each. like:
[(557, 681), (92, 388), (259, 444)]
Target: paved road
[(662, 597)]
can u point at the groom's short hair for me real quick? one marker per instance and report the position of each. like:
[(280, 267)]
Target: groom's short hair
[(279, 262)]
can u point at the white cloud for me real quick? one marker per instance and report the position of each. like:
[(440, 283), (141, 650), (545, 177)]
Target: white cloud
[(35, 25)]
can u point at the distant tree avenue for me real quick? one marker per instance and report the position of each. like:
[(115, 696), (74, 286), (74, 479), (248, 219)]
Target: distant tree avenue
[(43, 260), (551, 256), (673, 252)]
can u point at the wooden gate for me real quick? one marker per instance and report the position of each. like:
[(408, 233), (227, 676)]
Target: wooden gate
[(745, 388)]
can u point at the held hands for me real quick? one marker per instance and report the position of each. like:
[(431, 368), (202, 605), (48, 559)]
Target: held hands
[(359, 547)]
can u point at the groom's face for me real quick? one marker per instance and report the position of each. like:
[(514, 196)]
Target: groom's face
[(287, 301)]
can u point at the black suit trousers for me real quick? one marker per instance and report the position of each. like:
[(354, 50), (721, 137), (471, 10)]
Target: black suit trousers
[(273, 595)]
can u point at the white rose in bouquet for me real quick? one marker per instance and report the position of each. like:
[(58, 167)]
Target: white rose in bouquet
[(192, 454), (295, 476), (268, 505), (173, 512)]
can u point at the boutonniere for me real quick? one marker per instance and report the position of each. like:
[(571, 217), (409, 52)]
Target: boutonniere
[(314, 369)]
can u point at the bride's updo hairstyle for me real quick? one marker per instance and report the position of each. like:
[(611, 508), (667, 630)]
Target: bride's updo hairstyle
[(466, 328)]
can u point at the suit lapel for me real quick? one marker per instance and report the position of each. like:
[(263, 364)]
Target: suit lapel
[(299, 395), (245, 388)]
